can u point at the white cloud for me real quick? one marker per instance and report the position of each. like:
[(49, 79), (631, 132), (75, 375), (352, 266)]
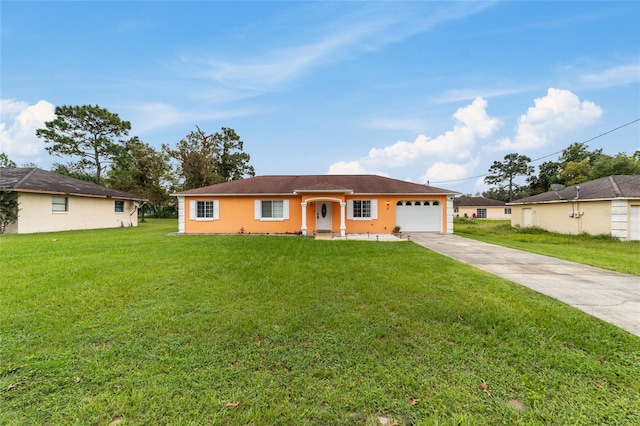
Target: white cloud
[(10, 108), (616, 76), (444, 172), (352, 168), (365, 29), (151, 116), (458, 95), (556, 114), (473, 122), (18, 132), (347, 168)]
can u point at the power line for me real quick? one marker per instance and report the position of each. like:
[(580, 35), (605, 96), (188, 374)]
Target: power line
[(545, 156)]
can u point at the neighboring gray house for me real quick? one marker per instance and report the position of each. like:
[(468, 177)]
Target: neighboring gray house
[(52, 202), (609, 205)]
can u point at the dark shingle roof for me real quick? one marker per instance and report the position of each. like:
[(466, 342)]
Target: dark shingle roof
[(42, 181), (358, 184), (477, 202), (604, 188)]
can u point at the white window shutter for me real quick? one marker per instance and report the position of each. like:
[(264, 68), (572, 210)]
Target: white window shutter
[(192, 209), (349, 209), (257, 207), (374, 209), (285, 209), (216, 209)]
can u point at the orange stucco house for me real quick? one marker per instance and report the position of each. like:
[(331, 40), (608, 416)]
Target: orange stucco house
[(339, 204)]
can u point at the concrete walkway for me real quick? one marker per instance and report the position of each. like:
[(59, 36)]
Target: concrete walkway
[(610, 296)]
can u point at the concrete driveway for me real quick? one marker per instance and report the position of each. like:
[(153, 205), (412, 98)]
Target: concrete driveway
[(610, 296)]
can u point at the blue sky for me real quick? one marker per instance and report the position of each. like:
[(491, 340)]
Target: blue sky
[(419, 91)]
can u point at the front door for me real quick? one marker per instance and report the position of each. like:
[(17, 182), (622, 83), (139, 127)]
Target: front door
[(323, 216)]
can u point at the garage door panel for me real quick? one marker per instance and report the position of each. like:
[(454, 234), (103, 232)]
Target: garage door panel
[(419, 218), (634, 223)]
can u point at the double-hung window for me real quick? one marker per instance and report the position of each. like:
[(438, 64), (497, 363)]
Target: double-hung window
[(59, 204), (362, 209), (204, 210), (119, 206), (271, 209)]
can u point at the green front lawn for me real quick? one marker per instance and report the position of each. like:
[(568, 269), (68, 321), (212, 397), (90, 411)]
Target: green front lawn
[(134, 326), (596, 250)]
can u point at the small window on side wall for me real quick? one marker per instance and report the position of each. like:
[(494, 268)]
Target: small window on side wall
[(119, 206), (59, 204), (204, 210)]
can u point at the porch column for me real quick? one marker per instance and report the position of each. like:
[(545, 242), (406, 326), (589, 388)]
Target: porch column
[(304, 218), (343, 228)]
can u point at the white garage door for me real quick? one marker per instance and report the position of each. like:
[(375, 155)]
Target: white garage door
[(634, 223), (419, 216)]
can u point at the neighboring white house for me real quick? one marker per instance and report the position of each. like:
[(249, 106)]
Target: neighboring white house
[(609, 205), (50, 202), (481, 208)]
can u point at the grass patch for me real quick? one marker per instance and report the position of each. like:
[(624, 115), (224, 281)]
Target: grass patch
[(134, 326), (602, 251)]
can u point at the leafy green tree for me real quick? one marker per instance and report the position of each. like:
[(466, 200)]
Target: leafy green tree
[(502, 194), (575, 162), (196, 156), (233, 162), (578, 164), (73, 170), (503, 174), (578, 151), (5, 162), (86, 132), (142, 170), (209, 159), (575, 172), (619, 164), (548, 174), (8, 208)]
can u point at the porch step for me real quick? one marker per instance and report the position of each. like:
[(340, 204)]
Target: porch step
[(324, 235)]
